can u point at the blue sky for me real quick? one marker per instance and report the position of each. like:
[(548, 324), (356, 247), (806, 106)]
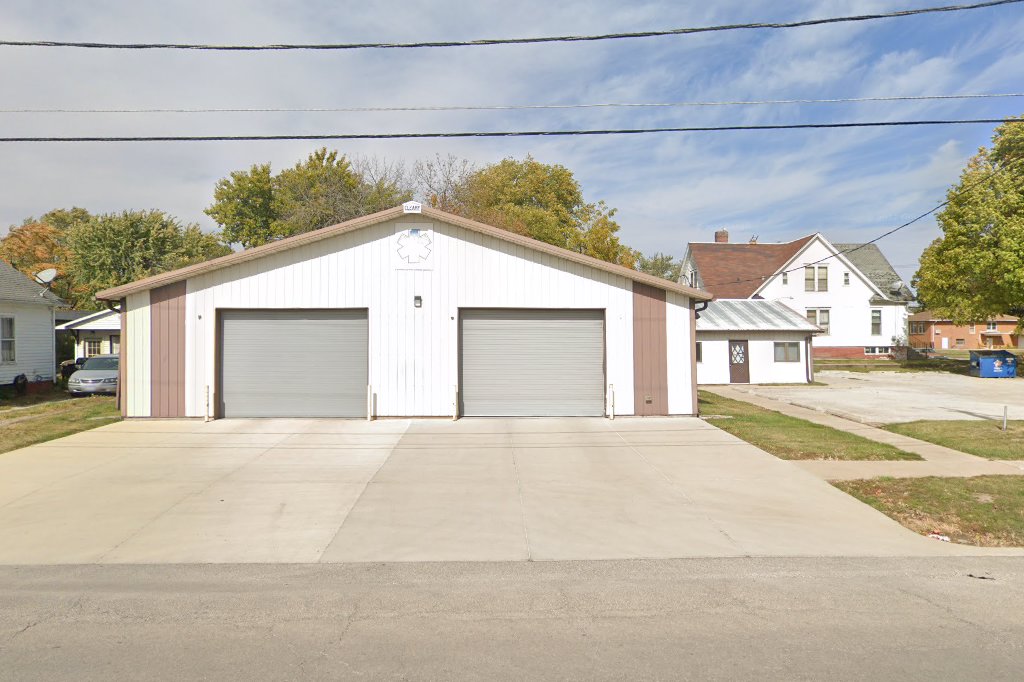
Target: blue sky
[(669, 189)]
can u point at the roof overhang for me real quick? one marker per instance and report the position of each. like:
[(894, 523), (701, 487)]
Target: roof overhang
[(181, 274), (86, 319)]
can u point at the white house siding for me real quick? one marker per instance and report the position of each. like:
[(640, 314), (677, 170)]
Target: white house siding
[(680, 371), (137, 354), (849, 305), (413, 364), (33, 342), (713, 368)]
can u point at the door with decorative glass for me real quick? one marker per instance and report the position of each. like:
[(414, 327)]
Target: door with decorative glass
[(739, 362)]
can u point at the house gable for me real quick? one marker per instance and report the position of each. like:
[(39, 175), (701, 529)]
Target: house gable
[(730, 270), (834, 255)]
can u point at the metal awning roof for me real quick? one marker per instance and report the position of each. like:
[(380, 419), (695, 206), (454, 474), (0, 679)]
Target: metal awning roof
[(729, 315)]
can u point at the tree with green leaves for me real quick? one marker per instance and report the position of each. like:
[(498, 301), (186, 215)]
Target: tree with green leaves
[(243, 206), (255, 207), (976, 269), (542, 201), (660, 265), (116, 248)]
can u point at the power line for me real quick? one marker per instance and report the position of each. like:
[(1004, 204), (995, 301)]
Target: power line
[(514, 133), (505, 107), (502, 41), (882, 236)]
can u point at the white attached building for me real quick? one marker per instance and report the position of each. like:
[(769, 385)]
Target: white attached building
[(98, 333), (850, 291), (26, 328), (753, 342), (407, 312)]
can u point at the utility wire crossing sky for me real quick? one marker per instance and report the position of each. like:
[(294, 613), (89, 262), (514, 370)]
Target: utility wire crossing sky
[(508, 41), (507, 107), (514, 133)]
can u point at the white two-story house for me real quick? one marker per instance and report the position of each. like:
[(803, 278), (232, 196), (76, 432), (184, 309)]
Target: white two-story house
[(850, 291)]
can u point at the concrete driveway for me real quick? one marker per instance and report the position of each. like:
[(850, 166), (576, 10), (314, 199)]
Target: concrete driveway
[(890, 397), (478, 489)]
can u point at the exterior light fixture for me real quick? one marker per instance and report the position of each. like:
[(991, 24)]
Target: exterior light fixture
[(417, 301)]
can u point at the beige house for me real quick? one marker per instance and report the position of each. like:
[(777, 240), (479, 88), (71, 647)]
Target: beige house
[(95, 334)]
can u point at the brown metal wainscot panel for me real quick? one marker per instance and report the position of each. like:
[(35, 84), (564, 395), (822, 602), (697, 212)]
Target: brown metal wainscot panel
[(167, 346), (650, 351)]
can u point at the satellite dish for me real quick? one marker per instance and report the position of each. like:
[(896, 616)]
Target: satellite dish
[(46, 276), (896, 286)]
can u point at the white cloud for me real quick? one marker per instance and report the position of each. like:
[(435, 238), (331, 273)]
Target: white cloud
[(669, 188)]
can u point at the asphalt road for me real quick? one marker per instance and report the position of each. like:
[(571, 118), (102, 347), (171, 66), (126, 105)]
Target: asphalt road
[(681, 619)]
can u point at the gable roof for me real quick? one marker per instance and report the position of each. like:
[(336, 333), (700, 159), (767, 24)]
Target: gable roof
[(95, 320), (872, 263), (724, 315), (383, 216), (16, 287), (738, 270)]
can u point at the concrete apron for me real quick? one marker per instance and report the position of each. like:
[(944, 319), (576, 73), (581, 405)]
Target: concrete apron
[(297, 491)]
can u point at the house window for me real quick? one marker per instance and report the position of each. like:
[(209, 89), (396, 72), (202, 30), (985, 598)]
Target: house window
[(971, 329), (917, 327), (700, 352), (788, 351), (92, 347), (846, 279), (820, 317), (115, 344), (876, 323), (693, 278), (6, 339), (877, 350), (960, 343), (993, 326), (785, 278), (816, 278)]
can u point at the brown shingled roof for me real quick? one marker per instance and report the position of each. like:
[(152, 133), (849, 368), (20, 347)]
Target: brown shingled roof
[(737, 270)]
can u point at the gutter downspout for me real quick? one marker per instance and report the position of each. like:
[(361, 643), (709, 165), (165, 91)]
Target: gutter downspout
[(810, 360)]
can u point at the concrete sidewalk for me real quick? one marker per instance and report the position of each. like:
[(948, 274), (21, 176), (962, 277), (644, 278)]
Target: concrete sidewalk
[(937, 460)]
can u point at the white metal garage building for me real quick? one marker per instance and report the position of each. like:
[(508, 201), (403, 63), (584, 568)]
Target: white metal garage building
[(407, 312)]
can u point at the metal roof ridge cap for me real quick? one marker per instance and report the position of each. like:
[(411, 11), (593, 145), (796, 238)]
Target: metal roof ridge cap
[(312, 236)]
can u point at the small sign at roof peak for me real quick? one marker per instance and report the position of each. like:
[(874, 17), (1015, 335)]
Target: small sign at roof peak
[(412, 207)]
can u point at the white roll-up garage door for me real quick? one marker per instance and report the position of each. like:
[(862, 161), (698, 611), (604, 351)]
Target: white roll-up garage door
[(532, 363), (293, 363)]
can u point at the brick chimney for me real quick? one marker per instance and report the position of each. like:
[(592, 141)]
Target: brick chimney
[(722, 237)]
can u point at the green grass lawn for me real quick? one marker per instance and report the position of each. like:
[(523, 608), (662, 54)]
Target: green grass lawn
[(983, 510), (46, 421), (952, 366), (975, 437), (789, 437)]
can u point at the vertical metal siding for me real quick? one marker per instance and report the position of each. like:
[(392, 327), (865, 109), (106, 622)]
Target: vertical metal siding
[(650, 351), (138, 367), (167, 350), (532, 363), (122, 401), (293, 363), (413, 363)]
